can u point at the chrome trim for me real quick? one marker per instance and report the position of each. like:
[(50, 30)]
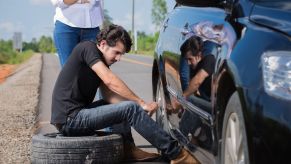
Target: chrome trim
[(206, 116)]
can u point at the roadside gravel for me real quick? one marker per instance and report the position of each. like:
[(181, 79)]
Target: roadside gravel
[(18, 105)]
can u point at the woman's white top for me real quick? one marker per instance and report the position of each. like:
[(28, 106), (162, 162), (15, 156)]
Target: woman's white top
[(81, 15)]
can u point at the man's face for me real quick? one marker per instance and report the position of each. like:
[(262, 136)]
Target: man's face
[(193, 60), (111, 54)]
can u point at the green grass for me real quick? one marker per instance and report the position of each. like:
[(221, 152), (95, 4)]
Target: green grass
[(18, 58), (147, 53)]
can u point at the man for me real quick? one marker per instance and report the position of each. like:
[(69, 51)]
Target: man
[(87, 69), (199, 59)]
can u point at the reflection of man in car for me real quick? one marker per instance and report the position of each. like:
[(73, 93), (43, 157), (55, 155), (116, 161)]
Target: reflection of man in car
[(217, 33), (201, 60), (196, 80)]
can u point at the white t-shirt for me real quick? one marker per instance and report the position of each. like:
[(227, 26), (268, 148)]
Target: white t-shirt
[(86, 15)]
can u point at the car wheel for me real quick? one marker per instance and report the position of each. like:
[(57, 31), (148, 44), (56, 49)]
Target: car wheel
[(161, 115), (54, 148), (234, 147)]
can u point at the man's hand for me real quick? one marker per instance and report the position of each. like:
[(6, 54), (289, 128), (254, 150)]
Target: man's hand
[(176, 106), (150, 107)]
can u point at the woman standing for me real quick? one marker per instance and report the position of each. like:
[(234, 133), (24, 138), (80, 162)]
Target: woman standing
[(75, 21)]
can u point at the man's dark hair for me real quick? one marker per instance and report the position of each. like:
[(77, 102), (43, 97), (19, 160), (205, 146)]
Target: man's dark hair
[(114, 33), (193, 44)]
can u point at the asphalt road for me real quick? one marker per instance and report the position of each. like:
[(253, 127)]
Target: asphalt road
[(135, 70)]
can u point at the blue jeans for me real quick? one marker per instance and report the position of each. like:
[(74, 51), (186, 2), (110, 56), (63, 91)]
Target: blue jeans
[(193, 119), (126, 113), (67, 37), (184, 70)]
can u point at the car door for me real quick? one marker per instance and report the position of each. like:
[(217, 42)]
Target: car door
[(182, 24), (168, 52)]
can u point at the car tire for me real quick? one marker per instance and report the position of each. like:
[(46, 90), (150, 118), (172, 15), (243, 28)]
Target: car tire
[(161, 115), (54, 148), (234, 147)]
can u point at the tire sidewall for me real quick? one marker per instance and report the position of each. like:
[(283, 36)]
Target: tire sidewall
[(234, 106), (58, 149)]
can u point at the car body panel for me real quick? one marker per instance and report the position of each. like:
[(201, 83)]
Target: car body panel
[(170, 56), (275, 15), (260, 109), (253, 28)]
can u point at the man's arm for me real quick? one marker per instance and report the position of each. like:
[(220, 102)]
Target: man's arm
[(116, 90), (70, 2), (115, 84), (110, 96), (195, 82)]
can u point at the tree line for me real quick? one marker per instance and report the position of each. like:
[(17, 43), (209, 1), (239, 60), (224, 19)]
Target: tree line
[(8, 55)]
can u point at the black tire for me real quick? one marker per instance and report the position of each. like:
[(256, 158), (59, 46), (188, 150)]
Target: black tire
[(54, 148), (161, 114), (234, 117)]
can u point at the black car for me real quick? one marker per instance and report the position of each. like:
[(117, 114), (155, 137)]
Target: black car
[(246, 116)]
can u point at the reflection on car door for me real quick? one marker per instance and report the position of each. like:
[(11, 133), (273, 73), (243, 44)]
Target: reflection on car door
[(193, 125), (217, 40)]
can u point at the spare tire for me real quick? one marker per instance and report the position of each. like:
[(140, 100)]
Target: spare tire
[(54, 148)]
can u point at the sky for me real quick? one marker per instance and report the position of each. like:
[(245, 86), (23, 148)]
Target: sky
[(34, 18)]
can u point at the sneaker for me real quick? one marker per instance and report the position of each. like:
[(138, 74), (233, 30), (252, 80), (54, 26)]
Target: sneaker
[(185, 158), (135, 154)]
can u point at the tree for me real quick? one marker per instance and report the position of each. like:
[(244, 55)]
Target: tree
[(141, 34), (33, 45), (45, 44), (159, 11), (6, 45), (6, 51), (146, 43)]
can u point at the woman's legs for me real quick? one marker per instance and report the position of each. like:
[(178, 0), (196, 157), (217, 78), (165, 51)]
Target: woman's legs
[(65, 38)]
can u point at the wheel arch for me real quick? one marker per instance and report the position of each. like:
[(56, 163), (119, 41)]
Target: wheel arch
[(223, 95), (155, 78), (158, 71), (228, 78)]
